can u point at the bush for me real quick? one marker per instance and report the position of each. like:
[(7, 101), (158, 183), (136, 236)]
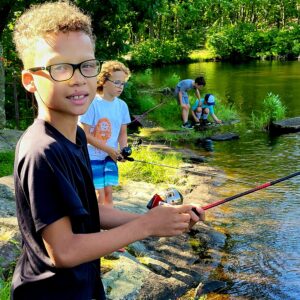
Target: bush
[(155, 52), (143, 79), (244, 40), (233, 41), (272, 110), (171, 81)]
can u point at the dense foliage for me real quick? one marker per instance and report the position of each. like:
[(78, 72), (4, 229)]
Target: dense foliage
[(164, 31), (156, 32)]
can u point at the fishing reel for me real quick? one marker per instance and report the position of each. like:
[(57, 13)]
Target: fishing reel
[(126, 152), (170, 196)]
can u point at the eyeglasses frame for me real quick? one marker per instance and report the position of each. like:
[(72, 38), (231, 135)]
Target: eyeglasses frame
[(74, 66), (118, 85)]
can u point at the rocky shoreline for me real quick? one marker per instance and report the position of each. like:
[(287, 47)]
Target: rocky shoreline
[(155, 268)]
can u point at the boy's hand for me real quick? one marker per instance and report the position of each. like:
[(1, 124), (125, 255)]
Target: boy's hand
[(197, 214), (114, 154), (168, 220)]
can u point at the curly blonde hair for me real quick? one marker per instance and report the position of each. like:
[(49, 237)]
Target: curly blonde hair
[(107, 69), (43, 19)]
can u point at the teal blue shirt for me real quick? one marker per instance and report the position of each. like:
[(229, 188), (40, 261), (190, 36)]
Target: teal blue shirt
[(210, 107)]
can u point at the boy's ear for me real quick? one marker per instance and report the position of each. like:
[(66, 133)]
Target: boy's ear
[(28, 81)]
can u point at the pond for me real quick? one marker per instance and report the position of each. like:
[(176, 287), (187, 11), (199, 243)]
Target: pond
[(245, 85), (261, 257)]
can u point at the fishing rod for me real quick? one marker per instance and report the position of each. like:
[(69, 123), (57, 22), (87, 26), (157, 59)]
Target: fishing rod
[(260, 187), (126, 152), (173, 197), (139, 117)]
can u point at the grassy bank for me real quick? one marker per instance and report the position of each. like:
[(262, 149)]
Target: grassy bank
[(6, 163), (202, 55), (139, 171)]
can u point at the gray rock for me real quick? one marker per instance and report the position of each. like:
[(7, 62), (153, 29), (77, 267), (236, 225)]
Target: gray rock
[(225, 137), (285, 126), (9, 138)]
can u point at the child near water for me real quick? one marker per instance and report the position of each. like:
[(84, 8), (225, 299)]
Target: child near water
[(105, 125), (202, 108), (181, 90), (64, 231)]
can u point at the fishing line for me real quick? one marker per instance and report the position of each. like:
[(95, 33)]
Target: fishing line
[(201, 173)]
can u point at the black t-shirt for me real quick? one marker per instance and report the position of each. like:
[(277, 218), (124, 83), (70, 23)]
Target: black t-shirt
[(53, 180)]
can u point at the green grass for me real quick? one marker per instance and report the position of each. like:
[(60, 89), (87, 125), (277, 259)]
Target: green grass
[(143, 79), (171, 81), (5, 282), (6, 163), (202, 55), (224, 112), (272, 110), (4, 289), (138, 171)]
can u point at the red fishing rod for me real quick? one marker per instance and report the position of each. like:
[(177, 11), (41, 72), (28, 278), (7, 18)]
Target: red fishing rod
[(260, 187), (172, 196)]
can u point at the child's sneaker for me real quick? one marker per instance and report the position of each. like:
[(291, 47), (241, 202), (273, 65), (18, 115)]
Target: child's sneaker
[(205, 122), (187, 126)]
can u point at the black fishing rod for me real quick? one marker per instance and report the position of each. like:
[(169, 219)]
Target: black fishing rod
[(139, 117), (260, 187), (126, 152)]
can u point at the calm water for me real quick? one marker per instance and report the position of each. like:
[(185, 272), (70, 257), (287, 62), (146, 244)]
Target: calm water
[(245, 85), (261, 258)]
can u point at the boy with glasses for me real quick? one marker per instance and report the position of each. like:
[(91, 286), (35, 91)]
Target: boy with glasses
[(57, 210), (105, 125)]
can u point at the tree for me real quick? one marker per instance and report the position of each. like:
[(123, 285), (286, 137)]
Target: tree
[(4, 12)]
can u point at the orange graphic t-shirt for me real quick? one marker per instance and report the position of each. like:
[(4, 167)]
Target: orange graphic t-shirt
[(102, 130)]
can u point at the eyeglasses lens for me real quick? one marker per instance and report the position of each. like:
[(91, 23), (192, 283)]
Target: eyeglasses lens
[(62, 72)]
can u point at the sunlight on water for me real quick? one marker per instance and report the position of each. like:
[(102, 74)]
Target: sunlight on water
[(262, 255)]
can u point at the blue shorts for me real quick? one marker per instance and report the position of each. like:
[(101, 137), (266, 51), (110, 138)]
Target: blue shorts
[(105, 173), (185, 96), (185, 99)]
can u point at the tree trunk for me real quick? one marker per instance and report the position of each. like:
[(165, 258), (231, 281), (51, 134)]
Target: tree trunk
[(2, 89)]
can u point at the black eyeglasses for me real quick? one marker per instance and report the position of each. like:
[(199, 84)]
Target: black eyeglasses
[(118, 83), (64, 71)]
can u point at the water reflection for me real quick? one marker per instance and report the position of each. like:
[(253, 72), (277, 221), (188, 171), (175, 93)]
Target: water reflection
[(243, 85), (262, 254), (261, 257)]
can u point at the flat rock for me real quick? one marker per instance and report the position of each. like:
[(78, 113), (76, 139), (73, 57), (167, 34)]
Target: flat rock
[(9, 138), (286, 126), (225, 137)]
